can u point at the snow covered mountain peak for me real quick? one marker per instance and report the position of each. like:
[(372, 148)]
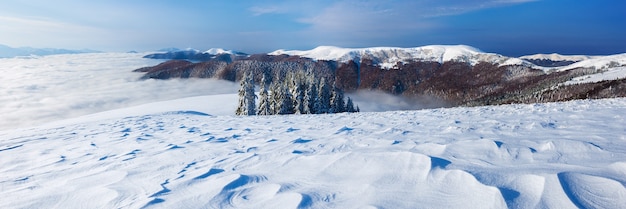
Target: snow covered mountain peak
[(189, 49), (216, 51), (388, 57)]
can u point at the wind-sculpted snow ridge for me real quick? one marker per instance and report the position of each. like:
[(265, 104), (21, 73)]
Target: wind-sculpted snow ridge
[(388, 57), (555, 155)]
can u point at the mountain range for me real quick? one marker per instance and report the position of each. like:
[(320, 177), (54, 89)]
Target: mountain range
[(177, 143), (456, 75), (7, 51)]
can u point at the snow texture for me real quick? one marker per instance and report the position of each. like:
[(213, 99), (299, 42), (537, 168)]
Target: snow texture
[(171, 155)]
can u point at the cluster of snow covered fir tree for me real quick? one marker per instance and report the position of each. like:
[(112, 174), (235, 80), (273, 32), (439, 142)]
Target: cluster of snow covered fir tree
[(296, 94)]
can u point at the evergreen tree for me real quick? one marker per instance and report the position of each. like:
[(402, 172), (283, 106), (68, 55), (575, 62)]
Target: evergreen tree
[(275, 100), (264, 100), (247, 105), (310, 96), (337, 103), (323, 95), (285, 100), (298, 93), (350, 105), (251, 101), (241, 108)]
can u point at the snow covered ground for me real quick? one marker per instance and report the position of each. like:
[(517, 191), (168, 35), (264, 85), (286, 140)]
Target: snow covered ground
[(605, 75), (181, 154), (558, 57)]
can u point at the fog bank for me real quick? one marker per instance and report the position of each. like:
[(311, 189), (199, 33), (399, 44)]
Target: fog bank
[(36, 90)]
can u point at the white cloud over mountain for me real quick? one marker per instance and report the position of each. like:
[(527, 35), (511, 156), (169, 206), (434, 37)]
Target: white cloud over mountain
[(36, 90)]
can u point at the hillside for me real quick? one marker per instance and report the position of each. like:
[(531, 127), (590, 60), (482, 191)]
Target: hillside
[(458, 75), (175, 155)]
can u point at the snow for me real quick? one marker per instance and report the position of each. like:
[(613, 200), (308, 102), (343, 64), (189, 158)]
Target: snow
[(611, 67), (216, 51), (558, 57), (81, 131), (185, 153), (599, 63), (609, 74), (388, 57)]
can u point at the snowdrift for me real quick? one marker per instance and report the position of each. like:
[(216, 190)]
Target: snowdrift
[(557, 155)]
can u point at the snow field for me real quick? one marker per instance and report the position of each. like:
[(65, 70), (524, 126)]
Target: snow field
[(607, 75), (559, 155), (558, 57)]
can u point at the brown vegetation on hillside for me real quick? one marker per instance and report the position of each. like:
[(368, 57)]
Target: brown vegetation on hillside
[(457, 83)]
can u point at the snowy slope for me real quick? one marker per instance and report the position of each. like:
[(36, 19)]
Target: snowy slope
[(599, 63), (605, 75), (607, 68), (558, 57), (216, 51), (560, 155), (387, 57)]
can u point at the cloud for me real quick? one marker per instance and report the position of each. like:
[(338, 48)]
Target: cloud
[(14, 23), (46, 32), (513, 1), (37, 90), (257, 10), (44, 89), (369, 19), (377, 101), (30, 22)]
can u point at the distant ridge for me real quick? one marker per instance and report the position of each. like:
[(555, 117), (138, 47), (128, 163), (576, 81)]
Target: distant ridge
[(388, 57), (458, 75), (7, 51), (558, 57), (196, 55)]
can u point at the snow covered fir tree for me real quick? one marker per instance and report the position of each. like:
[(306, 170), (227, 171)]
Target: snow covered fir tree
[(247, 98), (297, 93)]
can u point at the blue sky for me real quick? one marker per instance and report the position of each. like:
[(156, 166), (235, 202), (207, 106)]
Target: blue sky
[(510, 27)]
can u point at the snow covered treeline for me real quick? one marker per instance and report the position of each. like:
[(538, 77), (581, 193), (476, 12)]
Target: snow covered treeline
[(298, 93)]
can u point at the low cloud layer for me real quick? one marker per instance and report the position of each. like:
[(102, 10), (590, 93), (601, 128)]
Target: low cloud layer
[(36, 90), (44, 89), (376, 101)]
